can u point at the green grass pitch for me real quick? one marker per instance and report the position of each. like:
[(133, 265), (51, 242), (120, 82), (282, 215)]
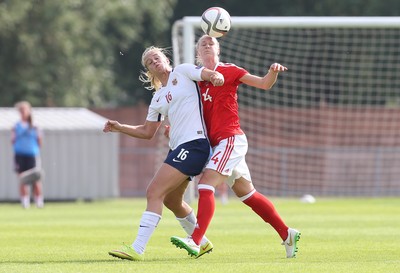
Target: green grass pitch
[(338, 235)]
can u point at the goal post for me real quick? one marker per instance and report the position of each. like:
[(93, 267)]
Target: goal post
[(183, 31), (331, 124)]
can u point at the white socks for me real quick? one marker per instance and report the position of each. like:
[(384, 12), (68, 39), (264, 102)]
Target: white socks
[(26, 201), (148, 223), (39, 201), (188, 223)]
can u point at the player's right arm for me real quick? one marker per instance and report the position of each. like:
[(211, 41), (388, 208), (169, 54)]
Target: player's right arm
[(144, 131), (13, 135)]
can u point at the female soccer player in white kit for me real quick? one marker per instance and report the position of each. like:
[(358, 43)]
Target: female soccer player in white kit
[(230, 146), (177, 97)]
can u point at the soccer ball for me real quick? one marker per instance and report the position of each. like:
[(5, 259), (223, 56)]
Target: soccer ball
[(215, 22), (307, 198)]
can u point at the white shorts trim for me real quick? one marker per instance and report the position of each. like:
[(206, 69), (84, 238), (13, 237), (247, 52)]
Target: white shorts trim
[(228, 158)]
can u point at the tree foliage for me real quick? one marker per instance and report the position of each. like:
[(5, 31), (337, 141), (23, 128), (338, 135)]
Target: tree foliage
[(291, 7), (71, 53), (87, 52)]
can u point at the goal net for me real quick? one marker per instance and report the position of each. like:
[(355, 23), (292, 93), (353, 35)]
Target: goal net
[(331, 124)]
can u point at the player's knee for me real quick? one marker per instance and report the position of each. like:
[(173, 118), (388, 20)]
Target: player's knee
[(242, 188), (154, 195)]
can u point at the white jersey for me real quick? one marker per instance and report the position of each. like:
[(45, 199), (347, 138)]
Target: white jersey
[(180, 101)]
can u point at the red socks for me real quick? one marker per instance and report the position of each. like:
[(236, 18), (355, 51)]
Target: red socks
[(258, 202), (205, 211), (266, 210)]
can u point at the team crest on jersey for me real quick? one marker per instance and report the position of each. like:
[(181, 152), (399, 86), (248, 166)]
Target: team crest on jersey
[(174, 82)]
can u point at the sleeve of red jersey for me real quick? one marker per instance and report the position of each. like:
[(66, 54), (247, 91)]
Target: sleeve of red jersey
[(239, 73)]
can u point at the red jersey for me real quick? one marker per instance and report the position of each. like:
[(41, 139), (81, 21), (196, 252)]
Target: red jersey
[(220, 104)]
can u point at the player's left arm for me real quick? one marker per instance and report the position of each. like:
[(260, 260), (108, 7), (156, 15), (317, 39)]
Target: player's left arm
[(39, 138), (216, 78), (267, 81), (192, 72)]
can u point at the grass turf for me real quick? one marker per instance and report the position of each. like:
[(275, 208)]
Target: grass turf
[(338, 235)]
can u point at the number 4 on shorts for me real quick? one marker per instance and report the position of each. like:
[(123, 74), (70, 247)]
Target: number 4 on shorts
[(215, 158)]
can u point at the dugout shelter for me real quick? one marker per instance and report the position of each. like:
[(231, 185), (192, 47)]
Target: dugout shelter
[(80, 161)]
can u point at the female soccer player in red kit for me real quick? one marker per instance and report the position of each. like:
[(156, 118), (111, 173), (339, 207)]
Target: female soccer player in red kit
[(230, 146)]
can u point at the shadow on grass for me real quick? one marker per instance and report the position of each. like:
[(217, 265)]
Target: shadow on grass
[(112, 260), (59, 262)]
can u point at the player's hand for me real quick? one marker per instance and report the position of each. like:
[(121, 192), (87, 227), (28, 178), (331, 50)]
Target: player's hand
[(112, 126), (275, 67), (166, 131), (217, 79)]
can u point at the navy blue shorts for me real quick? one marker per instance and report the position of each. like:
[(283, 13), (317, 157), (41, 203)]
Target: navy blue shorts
[(24, 163), (190, 157)]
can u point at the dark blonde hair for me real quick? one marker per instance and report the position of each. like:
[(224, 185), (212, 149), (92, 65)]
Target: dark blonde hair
[(199, 61), (146, 77)]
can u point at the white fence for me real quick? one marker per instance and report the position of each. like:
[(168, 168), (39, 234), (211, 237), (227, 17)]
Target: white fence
[(79, 160)]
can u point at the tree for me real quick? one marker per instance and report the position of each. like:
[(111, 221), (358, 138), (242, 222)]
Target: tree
[(291, 8), (69, 53)]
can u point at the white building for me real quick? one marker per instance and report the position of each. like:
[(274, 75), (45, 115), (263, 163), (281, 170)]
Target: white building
[(79, 160)]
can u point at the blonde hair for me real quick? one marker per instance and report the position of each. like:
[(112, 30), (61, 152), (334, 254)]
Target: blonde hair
[(146, 77), (22, 104), (199, 61)]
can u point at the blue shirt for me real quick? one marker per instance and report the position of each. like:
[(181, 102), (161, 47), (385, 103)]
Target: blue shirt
[(26, 140)]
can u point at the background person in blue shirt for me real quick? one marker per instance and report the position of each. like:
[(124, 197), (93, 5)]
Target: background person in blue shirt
[(26, 140)]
